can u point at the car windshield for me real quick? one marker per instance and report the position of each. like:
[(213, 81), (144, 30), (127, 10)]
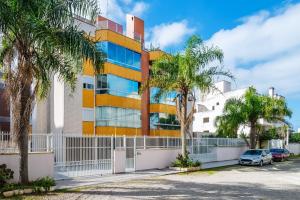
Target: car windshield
[(277, 150), (253, 152)]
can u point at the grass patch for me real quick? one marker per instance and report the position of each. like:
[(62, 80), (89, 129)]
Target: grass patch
[(210, 171), (294, 156)]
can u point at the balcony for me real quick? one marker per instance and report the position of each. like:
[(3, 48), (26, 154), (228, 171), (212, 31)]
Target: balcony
[(110, 25), (118, 28)]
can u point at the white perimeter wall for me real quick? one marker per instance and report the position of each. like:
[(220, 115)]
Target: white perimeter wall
[(155, 158), (39, 165), (229, 153), (294, 148)]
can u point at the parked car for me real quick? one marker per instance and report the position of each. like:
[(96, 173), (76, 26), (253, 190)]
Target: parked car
[(256, 157), (280, 154)]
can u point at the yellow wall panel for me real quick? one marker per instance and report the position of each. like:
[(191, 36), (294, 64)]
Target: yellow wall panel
[(87, 98), (162, 108), (122, 40), (154, 55), (166, 133), (88, 68), (115, 101), (117, 131), (110, 68), (88, 128)]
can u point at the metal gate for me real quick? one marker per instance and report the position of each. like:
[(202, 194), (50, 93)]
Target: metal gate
[(130, 146), (81, 155)]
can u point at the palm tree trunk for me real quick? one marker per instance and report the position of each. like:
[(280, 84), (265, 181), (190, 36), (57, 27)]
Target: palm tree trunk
[(21, 109), (183, 124), (19, 86), (252, 135)]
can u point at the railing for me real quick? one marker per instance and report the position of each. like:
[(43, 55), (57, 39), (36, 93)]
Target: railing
[(204, 149), (113, 26), (36, 143), (110, 25)]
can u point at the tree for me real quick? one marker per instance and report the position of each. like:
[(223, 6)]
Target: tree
[(295, 137), (184, 72), (40, 39), (251, 108)]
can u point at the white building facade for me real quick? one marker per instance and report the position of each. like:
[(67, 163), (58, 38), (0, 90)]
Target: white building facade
[(210, 106)]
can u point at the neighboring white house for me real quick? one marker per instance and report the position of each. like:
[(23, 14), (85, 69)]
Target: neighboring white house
[(211, 105)]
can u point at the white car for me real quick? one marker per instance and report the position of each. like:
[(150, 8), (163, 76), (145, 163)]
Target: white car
[(256, 157)]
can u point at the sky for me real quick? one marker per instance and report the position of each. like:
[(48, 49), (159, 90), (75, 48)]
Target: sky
[(260, 38)]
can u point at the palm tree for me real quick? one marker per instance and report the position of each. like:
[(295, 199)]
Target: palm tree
[(249, 109), (229, 125), (40, 39), (183, 73)]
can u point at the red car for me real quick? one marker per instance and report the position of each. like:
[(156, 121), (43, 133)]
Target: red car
[(280, 154)]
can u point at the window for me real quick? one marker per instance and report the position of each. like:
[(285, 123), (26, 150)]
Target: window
[(213, 107), (88, 86), (87, 114), (115, 85), (163, 121), (120, 55), (205, 119), (217, 103), (166, 99), (118, 117)]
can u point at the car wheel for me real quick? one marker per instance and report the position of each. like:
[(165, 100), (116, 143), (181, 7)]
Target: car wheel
[(271, 162), (261, 163)]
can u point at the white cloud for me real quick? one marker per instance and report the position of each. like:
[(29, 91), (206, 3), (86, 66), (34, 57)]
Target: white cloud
[(139, 8), (112, 10), (116, 10), (264, 50), (170, 34)]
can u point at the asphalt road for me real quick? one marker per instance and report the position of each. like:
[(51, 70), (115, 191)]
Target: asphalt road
[(278, 181)]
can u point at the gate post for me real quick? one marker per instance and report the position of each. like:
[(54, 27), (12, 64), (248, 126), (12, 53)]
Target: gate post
[(134, 153), (112, 154)]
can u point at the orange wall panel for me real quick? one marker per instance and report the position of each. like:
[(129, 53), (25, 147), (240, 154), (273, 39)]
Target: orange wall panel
[(162, 108), (166, 133), (87, 98), (115, 101), (119, 39), (117, 131), (88, 128), (88, 68), (110, 68), (154, 55)]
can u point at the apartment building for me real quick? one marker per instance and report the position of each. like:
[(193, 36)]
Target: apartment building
[(210, 106), (109, 103)]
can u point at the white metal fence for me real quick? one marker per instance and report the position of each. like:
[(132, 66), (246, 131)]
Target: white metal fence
[(77, 155), (204, 149), (36, 143)]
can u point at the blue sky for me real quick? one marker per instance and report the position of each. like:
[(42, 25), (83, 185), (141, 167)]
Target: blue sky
[(260, 38)]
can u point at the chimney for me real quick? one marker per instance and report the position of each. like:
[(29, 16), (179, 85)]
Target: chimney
[(271, 91)]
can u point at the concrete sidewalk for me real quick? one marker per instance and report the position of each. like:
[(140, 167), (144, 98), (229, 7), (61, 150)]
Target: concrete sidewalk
[(113, 178), (110, 178)]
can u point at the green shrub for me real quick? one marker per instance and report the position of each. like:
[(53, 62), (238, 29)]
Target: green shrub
[(45, 182), (5, 174), (295, 137), (185, 162)]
